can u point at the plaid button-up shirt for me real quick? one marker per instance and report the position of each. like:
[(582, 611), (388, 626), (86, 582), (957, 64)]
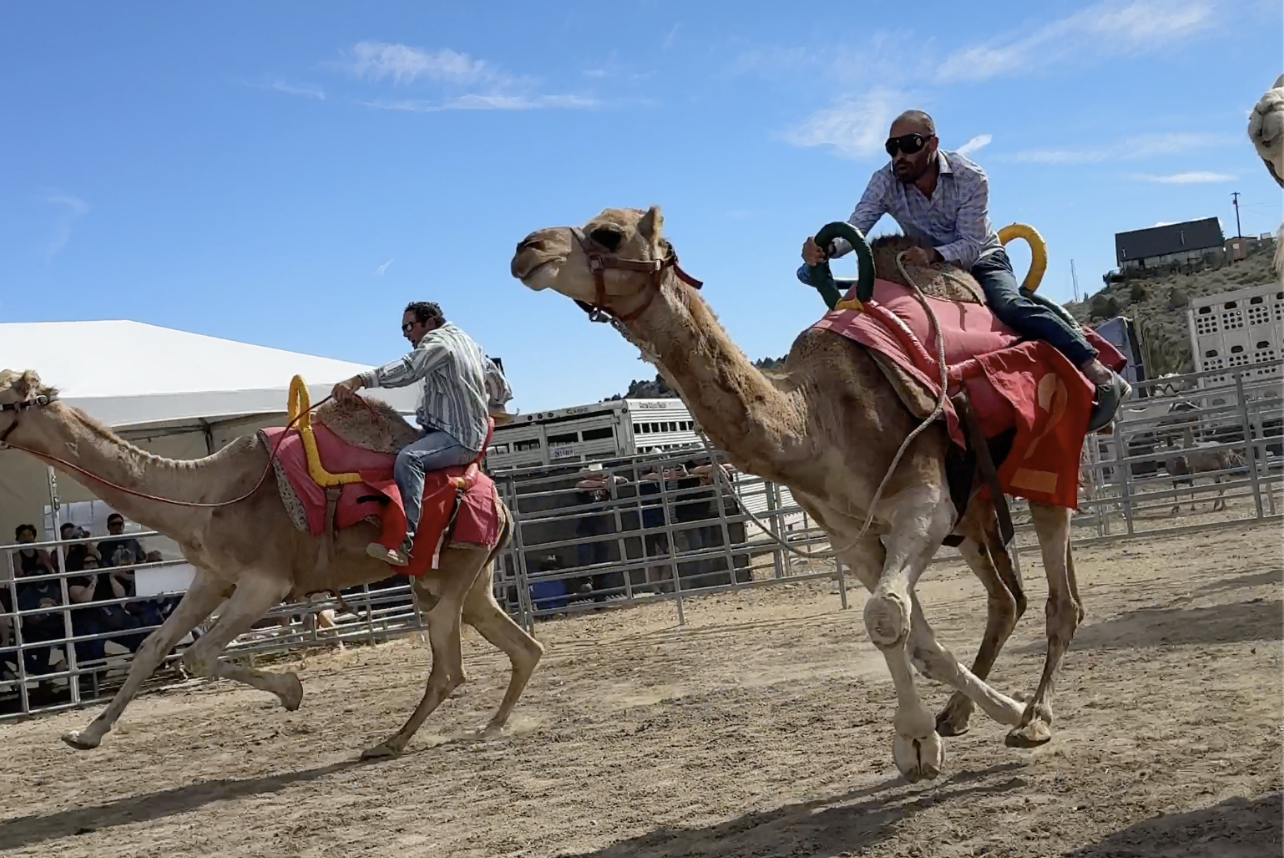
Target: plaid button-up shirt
[(956, 219), (459, 384)]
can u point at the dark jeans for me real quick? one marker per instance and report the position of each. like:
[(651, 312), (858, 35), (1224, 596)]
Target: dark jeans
[(1028, 317), (434, 451)]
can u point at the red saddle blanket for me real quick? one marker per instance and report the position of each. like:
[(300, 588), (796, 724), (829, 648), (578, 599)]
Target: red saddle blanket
[(1026, 384), (448, 513)]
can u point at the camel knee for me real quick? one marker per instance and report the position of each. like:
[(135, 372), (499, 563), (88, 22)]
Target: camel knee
[(887, 620), (199, 661)]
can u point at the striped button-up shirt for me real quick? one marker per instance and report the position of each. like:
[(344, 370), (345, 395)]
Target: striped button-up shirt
[(956, 219), (460, 384)]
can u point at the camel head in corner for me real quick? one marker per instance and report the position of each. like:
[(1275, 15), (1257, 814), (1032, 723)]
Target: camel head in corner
[(558, 258), (17, 388)]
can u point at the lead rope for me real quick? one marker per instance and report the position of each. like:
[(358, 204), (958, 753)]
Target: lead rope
[(936, 412)]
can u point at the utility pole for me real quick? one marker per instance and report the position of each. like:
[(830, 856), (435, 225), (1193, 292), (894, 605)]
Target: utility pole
[(1235, 197), (1074, 280)]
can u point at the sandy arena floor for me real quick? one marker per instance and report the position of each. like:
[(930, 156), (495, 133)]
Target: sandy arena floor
[(763, 728)]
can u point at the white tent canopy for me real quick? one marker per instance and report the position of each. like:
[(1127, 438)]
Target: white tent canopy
[(175, 393), (129, 374)]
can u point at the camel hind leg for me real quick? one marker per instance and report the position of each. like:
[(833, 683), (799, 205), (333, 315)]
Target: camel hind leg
[(483, 613), (202, 597), (255, 595)]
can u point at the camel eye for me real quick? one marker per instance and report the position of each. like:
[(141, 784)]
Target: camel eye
[(607, 237)]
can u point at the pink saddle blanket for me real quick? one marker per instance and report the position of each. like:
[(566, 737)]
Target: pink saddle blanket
[(459, 504), (1010, 382)]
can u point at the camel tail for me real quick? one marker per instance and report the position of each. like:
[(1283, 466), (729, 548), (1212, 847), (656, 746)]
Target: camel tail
[(1004, 563)]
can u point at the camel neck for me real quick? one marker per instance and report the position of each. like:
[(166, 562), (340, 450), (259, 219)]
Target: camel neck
[(739, 408), (59, 432)]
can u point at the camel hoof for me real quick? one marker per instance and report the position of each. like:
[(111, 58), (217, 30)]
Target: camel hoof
[(80, 741), (954, 718), (1031, 735), (292, 697), (381, 751), (919, 759)]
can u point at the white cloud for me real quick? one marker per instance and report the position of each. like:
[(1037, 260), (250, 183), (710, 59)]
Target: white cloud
[(854, 128), (280, 85), (488, 102), (1193, 177), (378, 272), (404, 64), (977, 142), (72, 209), (1110, 28), (1130, 149)]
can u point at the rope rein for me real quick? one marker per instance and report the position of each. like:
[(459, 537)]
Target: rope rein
[(833, 553)]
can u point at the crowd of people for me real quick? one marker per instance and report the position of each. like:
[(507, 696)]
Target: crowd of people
[(100, 601)]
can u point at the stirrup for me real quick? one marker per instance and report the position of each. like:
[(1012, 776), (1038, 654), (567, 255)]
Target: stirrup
[(1110, 397)]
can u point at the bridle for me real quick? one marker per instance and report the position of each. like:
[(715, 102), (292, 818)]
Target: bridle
[(599, 260), (17, 408)]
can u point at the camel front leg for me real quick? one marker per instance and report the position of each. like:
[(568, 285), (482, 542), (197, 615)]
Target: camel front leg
[(1064, 614), (1003, 608), (202, 597), (256, 594), (921, 517)]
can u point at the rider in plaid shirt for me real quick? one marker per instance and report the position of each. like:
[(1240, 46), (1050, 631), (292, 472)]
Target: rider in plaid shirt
[(942, 199)]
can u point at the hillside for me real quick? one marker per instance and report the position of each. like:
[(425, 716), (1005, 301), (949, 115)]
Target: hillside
[(1157, 305), (657, 389)]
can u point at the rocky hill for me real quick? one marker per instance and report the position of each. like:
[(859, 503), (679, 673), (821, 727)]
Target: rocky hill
[(657, 389), (1157, 305)]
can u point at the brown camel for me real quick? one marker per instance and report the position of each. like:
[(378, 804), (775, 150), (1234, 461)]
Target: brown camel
[(251, 554), (829, 431)]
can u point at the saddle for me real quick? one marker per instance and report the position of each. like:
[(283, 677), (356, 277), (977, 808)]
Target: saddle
[(1018, 402), (336, 471)]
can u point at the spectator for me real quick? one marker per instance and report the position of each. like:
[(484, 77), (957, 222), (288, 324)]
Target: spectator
[(100, 619), (37, 595), (655, 540), (594, 493), (108, 549), (77, 553)]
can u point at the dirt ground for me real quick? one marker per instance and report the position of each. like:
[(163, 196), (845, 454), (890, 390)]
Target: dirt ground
[(762, 728)]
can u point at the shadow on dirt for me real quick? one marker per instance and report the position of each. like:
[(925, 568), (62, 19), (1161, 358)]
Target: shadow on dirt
[(838, 824), (1256, 620), (1265, 578), (31, 830), (1236, 828)]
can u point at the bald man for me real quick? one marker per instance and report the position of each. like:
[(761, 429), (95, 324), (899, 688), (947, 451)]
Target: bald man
[(942, 199)]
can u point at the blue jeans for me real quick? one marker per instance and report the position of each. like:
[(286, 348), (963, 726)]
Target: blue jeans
[(434, 451), (1028, 317)]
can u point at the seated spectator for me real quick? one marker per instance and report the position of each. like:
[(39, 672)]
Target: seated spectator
[(100, 619), (33, 596), (29, 561), (108, 549), (76, 553)]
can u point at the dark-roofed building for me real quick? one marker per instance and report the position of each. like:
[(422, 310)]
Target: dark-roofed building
[(1181, 243)]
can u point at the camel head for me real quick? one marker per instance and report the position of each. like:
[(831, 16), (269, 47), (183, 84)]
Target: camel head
[(1266, 129), (559, 258), (18, 392)]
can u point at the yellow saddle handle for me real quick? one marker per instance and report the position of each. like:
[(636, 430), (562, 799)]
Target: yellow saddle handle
[(299, 407), (1038, 252)]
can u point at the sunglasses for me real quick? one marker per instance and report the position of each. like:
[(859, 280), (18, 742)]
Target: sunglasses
[(406, 327), (907, 143)]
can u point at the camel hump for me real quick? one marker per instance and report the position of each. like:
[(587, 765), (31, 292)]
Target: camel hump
[(945, 280), (367, 423)]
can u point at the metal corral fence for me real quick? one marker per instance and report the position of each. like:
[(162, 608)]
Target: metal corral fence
[(1187, 453)]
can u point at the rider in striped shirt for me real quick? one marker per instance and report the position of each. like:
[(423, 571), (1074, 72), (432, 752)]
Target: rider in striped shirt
[(460, 386)]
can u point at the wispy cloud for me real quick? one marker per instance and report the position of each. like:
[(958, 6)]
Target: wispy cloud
[(378, 272), (1111, 28), (71, 209), (280, 85), (404, 64), (668, 40), (1193, 177), (1130, 149), (977, 142), (487, 102), (853, 128)]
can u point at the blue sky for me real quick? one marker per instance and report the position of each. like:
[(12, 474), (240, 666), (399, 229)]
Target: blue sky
[(291, 174)]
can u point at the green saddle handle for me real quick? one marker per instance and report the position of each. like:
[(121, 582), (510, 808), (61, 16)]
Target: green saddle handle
[(822, 279)]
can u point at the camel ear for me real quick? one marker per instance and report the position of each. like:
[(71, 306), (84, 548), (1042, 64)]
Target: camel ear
[(651, 224), (28, 383)]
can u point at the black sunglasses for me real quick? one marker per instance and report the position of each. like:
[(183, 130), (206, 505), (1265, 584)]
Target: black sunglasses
[(907, 143), (406, 326)]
